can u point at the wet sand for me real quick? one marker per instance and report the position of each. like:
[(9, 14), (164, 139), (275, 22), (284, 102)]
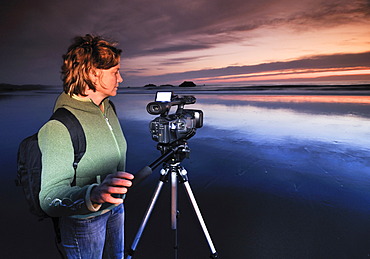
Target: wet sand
[(263, 209)]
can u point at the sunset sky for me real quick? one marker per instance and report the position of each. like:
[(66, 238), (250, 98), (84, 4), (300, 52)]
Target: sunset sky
[(205, 41)]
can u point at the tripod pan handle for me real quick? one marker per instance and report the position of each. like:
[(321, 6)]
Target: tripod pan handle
[(141, 175)]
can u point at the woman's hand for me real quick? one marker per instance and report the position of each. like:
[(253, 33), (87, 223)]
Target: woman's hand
[(113, 184)]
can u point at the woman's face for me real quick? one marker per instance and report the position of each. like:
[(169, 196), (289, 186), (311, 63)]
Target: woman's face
[(108, 81)]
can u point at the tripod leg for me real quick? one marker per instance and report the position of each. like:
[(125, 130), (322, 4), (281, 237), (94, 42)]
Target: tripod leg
[(174, 200), (147, 214), (174, 210), (191, 196)]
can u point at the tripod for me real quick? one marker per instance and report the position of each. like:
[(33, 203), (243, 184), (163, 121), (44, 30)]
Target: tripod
[(172, 158)]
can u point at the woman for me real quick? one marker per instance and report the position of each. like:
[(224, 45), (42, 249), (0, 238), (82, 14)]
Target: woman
[(91, 218)]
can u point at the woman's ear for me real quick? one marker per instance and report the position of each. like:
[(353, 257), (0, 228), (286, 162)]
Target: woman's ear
[(94, 75)]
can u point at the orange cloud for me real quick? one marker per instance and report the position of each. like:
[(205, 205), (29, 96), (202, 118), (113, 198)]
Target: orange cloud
[(287, 74)]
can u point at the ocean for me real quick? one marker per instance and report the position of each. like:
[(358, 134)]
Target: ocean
[(276, 174)]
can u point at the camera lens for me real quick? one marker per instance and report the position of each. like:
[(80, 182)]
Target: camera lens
[(155, 108)]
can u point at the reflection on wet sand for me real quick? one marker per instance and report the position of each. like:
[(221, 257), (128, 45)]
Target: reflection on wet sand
[(247, 120), (296, 98)]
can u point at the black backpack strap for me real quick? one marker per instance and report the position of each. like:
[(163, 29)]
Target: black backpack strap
[(77, 135)]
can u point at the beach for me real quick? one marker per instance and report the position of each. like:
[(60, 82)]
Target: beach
[(276, 172)]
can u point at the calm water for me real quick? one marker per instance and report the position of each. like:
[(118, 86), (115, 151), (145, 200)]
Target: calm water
[(275, 176)]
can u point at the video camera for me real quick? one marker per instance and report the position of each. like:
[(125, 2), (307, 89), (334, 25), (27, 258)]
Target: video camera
[(168, 129)]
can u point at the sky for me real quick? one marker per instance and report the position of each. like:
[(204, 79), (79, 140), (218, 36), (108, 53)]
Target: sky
[(210, 42)]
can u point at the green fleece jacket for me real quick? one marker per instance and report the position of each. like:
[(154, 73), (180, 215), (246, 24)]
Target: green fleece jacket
[(105, 154)]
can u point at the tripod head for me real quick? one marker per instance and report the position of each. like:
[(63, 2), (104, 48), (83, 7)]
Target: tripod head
[(171, 154), (177, 151)]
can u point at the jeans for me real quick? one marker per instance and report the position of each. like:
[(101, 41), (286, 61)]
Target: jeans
[(95, 238)]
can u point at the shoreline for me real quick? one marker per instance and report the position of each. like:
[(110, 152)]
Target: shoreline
[(284, 89)]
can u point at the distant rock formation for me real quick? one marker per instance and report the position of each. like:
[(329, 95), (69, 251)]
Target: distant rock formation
[(150, 85), (187, 84), (183, 84), (29, 87)]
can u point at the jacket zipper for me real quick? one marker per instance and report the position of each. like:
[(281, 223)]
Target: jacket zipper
[(111, 130)]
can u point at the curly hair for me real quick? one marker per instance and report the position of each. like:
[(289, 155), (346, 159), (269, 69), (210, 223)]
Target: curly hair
[(86, 53)]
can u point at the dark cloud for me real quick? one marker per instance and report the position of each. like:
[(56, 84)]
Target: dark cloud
[(143, 25), (34, 34), (174, 61), (331, 13), (177, 48)]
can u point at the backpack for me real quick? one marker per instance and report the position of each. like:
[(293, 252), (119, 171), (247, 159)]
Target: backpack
[(29, 160), (29, 166)]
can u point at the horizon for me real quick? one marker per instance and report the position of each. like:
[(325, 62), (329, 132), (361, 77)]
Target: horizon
[(208, 42), (345, 86)]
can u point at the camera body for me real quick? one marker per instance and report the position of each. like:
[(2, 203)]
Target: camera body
[(170, 128)]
